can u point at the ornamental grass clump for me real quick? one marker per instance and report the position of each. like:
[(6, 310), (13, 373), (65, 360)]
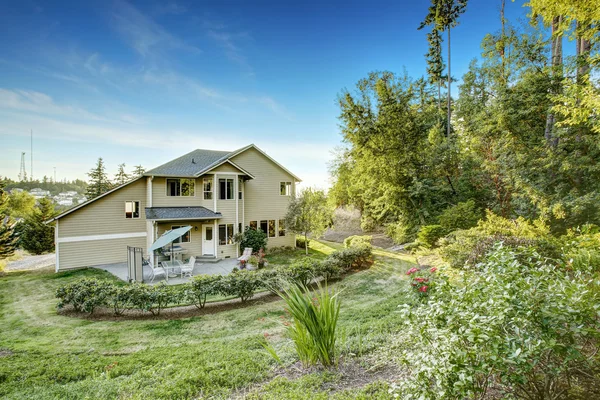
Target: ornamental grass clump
[(315, 318)]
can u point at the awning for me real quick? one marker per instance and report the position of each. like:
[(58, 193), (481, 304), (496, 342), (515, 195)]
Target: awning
[(180, 213), (169, 236)]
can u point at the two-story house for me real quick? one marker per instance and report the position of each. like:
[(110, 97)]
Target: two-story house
[(218, 193)]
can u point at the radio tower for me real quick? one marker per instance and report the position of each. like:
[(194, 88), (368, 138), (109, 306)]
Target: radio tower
[(22, 172)]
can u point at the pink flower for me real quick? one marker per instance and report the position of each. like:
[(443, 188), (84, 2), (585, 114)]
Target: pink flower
[(433, 269), (411, 271), (421, 280), (423, 288)]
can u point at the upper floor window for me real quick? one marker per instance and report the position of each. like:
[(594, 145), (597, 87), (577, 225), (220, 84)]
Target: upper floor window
[(240, 195), (208, 191), (285, 188), (180, 187), (132, 209), (226, 189)]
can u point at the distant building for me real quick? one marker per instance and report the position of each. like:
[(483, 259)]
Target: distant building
[(16, 190), (39, 193), (65, 202)]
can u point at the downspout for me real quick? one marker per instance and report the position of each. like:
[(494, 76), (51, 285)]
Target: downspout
[(237, 211), (215, 228), (56, 267), (149, 224)]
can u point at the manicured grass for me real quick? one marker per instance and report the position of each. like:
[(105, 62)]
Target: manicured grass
[(44, 355)]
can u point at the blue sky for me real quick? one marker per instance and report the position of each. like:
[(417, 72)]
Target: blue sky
[(144, 82)]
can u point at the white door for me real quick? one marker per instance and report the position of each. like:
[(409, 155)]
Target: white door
[(208, 237)]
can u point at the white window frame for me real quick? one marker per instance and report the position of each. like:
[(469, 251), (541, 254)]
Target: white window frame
[(274, 228), (227, 237), (132, 212), (181, 241), (204, 191), (279, 228), (260, 226), (232, 188), (288, 188)]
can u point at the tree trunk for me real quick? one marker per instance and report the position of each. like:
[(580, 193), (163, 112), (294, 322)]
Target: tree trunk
[(556, 62), (305, 243), (584, 46), (439, 96), (503, 39), (449, 84)]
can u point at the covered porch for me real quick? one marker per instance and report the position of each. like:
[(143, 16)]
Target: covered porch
[(199, 242)]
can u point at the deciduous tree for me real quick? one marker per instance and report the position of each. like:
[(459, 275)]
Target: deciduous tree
[(308, 214)]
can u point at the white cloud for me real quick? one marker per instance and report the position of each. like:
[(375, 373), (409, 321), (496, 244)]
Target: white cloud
[(229, 42), (40, 103), (143, 34)]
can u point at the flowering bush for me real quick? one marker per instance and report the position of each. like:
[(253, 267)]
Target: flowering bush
[(422, 280), (518, 323)]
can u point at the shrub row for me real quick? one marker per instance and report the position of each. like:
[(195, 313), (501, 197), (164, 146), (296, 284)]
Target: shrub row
[(88, 294)]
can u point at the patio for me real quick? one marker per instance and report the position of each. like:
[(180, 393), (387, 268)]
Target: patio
[(222, 267)]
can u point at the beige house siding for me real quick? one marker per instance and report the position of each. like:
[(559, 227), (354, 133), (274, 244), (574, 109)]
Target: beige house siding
[(95, 252), (107, 215), (160, 198), (262, 199), (225, 168)]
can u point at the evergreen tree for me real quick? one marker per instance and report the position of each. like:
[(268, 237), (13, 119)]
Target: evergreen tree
[(138, 170), (8, 236), (35, 235), (121, 177), (442, 16), (99, 182)]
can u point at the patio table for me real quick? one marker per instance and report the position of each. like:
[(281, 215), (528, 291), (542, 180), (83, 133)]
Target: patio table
[(170, 267)]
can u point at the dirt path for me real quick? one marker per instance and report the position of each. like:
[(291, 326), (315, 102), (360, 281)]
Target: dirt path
[(31, 262)]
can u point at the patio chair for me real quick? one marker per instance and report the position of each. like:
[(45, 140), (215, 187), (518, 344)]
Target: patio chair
[(188, 269), (245, 255), (156, 271)]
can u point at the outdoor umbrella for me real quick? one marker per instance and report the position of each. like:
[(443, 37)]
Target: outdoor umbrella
[(168, 237)]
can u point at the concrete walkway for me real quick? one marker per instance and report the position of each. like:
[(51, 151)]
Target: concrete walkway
[(222, 267)]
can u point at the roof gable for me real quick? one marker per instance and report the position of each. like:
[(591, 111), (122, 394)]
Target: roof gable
[(189, 164), (253, 146)]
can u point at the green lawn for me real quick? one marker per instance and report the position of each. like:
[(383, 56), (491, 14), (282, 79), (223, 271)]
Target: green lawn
[(44, 355)]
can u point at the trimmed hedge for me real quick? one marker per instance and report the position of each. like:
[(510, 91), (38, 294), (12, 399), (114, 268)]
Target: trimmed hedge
[(86, 295)]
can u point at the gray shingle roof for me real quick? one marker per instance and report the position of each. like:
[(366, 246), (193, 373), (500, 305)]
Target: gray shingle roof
[(181, 213), (190, 164)]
